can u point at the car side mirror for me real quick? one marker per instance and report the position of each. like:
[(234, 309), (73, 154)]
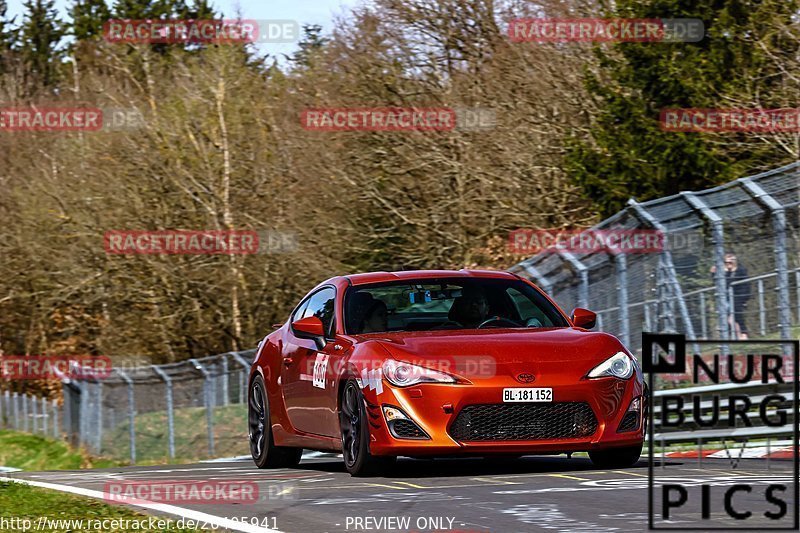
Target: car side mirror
[(583, 318), (310, 327)]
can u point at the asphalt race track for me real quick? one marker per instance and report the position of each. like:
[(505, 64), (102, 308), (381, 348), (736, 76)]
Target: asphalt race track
[(528, 494)]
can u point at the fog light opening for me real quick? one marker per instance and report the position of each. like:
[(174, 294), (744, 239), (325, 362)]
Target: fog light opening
[(401, 426)]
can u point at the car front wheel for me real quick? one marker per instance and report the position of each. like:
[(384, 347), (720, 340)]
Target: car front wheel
[(262, 446), (355, 435)]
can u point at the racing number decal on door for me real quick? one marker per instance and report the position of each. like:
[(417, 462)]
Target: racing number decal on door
[(320, 370)]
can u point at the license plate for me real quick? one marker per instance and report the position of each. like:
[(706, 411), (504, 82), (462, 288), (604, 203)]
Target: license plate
[(527, 395)]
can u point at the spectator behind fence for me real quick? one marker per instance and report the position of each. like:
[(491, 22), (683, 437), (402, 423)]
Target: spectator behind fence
[(741, 293)]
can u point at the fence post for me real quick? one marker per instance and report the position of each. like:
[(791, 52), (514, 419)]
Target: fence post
[(243, 394), (583, 273), (131, 413), (718, 238), (732, 309), (209, 403), (225, 391), (45, 416), (703, 322), (25, 417), (3, 409), (98, 434), (34, 414), (55, 419), (170, 415), (15, 401), (644, 216), (762, 313), (537, 276), (778, 216), (797, 290), (621, 266)]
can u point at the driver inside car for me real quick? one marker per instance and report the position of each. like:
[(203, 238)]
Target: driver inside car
[(470, 309)]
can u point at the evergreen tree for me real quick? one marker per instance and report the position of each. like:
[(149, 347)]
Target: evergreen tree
[(310, 44), (6, 33), (150, 9), (40, 37), (88, 17), (745, 51), (6, 37), (199, 10)]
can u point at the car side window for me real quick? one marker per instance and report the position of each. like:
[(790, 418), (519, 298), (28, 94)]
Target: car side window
[(321, 305)]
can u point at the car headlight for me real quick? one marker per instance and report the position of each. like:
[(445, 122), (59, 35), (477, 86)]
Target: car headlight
[(619, 365), (402, 374)]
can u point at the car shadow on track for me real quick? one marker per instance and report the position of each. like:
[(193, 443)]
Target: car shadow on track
[(471, 467)]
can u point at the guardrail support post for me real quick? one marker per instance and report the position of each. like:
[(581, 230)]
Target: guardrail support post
[(170, 415), (778, 216), (209, 404), (131, 413)]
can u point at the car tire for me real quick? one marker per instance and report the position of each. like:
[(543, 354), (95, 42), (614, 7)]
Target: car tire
[(262, 445), (616, 457), (358, 460)]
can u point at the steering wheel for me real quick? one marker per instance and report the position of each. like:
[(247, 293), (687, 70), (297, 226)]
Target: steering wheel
[(498, 320)]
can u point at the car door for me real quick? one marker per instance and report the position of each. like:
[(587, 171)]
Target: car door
[(306, 374)]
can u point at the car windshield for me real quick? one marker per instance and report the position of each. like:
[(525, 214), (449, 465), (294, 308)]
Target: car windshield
[(446, 304)]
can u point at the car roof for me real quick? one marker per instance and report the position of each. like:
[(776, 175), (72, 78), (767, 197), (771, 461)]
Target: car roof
[(378, 277)]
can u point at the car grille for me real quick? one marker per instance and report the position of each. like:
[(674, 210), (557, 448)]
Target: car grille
[(629, 422), (524, 421)]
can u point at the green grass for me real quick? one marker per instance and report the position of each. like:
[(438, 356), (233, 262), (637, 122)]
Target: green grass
[(19, 501), (191, 435), (34, 452)]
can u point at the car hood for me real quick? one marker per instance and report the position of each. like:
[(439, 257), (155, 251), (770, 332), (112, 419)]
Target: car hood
[(476, 354)]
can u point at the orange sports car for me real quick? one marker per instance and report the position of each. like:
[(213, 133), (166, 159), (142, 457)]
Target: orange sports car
[(441, 363)]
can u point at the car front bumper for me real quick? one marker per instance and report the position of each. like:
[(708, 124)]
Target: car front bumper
[(435, 409)]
